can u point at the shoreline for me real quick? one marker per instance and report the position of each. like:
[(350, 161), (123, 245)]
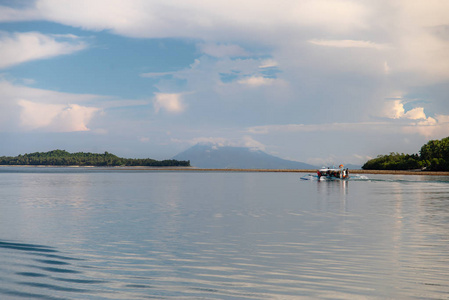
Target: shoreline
[(145, 168)]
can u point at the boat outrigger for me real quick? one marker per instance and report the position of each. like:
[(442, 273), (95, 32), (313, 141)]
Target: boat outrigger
[(333, 174)]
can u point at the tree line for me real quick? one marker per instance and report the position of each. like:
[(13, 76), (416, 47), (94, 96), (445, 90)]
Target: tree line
[(64, 158), (433, 156)]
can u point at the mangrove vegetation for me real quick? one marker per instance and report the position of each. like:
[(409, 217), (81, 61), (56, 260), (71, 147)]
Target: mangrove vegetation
[(433, 156), (64, 158)]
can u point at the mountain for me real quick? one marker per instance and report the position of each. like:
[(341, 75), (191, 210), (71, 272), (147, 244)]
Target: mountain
[(353, 167), (214, 157)]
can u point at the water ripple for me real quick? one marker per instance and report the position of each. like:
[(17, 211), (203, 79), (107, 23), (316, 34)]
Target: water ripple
[(26, 247)]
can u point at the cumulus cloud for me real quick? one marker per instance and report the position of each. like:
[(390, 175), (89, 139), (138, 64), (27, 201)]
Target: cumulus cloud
[(55, 117), (16, 48), (432, 128), (25, 108), (395, 110), (171, 103), (37, 115), (395, 120), (415, 120)]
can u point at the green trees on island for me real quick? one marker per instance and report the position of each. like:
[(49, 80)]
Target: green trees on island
[(64, 158), (394, 161), (433, 156)]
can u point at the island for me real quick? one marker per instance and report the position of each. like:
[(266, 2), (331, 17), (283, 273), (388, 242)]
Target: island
[(106, 159), (433, 156)]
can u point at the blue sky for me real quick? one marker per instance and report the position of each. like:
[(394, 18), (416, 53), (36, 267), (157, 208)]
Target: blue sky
[(323, 81)]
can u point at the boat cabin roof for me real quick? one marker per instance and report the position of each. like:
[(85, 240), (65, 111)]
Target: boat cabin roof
[(329, 169), (333, 169)]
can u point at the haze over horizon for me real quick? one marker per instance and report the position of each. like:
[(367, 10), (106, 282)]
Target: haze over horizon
[(312, 81)]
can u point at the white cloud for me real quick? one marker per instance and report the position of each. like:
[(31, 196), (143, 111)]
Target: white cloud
[(55, 117), (256, 81), (431, 128), (430, 13), (268, 63), (218, 141), (16, 48), (249, 142), (25, 108), (171, 103), (415, 114), (8, 14), (121, 103), (420, 45), (37, 115), (395, 110), (348, 44), (413, 45), (415, 120), (335, 16), (193, 18), (208, 74), (244, 141), (13, 93), (398, 121), (74, 117)]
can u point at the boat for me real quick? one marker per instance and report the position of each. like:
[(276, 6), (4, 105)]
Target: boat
[(333, 173)]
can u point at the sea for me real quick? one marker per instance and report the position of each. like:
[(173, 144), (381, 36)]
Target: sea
[(91, 233)]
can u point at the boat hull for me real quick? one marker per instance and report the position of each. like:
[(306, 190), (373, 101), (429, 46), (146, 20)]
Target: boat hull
[(331, 178)]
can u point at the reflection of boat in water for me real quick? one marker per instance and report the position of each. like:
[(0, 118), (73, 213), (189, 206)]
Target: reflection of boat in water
[(328, 173)]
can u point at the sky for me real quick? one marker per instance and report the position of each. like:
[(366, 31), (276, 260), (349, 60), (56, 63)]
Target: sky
[(316, 81)]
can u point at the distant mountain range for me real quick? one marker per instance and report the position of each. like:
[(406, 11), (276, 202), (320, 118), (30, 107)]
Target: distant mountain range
[(215, 157), (353, 167)]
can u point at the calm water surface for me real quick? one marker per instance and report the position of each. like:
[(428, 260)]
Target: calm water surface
[(94, 234)]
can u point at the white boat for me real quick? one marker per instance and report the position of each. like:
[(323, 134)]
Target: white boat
[(333, 173)]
